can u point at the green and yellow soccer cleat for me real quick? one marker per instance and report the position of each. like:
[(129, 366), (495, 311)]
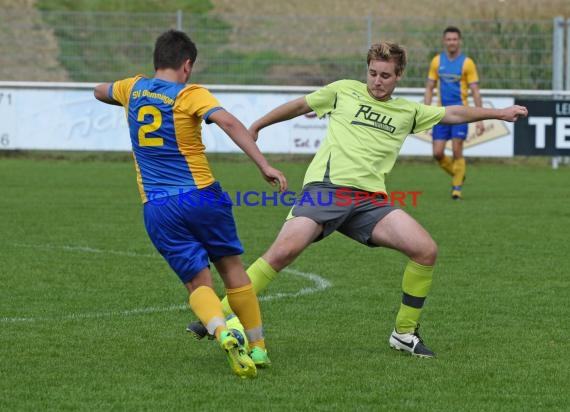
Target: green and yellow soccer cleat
[(259, 357), (235, 326), (240, 362)]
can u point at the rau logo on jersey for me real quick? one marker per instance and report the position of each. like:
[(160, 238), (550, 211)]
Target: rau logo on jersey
[(376, 120)]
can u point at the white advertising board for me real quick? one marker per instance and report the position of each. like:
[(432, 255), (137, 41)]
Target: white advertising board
[(68, 118)]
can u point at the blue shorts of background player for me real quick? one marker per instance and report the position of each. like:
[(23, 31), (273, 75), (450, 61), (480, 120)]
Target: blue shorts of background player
[(446, 131), (190, 234)]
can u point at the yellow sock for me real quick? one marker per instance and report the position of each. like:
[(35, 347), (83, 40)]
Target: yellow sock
[(458, 172), (415, 286), (206, 305), (261, 274), (446, 164), (246, 306)]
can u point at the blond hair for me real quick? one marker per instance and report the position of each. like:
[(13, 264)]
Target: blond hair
[(388, 51)]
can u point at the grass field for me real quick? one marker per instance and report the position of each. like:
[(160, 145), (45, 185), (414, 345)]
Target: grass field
[(93, 319)]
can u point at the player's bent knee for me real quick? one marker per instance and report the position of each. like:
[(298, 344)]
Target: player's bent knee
[(426, 254), (431, 253), (280, 257)]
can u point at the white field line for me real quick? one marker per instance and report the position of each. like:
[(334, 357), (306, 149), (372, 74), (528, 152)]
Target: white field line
[(319, 284)]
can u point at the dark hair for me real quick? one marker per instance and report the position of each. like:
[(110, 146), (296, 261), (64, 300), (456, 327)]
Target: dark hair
[(388, 51), (452, 29), (172, 49)]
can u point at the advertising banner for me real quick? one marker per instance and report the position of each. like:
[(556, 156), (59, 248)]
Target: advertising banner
[(46, 118), (546, 130)]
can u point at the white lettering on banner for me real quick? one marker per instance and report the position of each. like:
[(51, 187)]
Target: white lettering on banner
[(562, 109), (562, 133), (540, 134)]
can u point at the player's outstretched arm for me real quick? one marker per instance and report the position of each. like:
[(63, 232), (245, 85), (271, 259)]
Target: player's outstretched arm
[(239, 134), (467, 114), (101, 93), (281, 113)]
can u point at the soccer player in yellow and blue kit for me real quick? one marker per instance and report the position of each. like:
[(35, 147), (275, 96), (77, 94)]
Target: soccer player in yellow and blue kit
[(186, 215), (453, 74), (366, 129)]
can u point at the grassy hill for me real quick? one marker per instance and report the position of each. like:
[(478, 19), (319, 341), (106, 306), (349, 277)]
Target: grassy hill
[(28, 47), (447, 9), (261, 42)]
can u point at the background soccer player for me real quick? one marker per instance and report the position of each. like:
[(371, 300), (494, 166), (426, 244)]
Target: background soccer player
[(366, 129), (164, 117), (453, 73)]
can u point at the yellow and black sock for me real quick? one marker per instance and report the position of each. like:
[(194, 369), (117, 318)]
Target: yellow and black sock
[(415, 286)]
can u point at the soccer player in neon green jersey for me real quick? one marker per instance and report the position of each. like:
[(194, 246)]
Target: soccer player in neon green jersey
[(165, 116), (367, 127)]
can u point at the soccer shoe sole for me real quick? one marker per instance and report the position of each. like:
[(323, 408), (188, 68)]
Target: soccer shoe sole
[(266, 363), (238, 359)]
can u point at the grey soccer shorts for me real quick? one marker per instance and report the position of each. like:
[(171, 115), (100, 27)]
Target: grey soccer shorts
[(352, 212)]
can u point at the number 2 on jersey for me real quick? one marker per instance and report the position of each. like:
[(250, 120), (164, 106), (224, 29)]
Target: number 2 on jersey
[(149, 127)]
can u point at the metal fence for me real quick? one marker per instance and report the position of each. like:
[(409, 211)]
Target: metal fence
[(270, 50)]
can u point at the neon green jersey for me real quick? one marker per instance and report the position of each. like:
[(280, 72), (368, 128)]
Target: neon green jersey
[(364, 135)]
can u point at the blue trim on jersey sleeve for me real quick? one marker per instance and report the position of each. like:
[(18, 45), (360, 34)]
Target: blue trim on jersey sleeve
[(111, 90), (209, 113)]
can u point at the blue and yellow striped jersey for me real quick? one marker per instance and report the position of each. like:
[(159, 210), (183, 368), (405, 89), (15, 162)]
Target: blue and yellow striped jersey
[(165, 125), (453, 78)]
